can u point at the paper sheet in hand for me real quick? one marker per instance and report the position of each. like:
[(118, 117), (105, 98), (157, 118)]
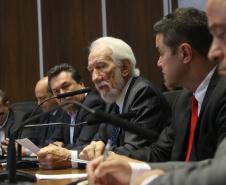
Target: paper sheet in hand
[(28, 144), (63, 176)]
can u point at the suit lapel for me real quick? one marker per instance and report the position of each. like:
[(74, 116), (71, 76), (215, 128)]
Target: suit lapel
[(128, 93), (213, 82), (182, 125)]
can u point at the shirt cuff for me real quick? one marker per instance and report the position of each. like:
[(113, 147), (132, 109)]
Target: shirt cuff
[(138, 169), (149, 180), (74, 156)]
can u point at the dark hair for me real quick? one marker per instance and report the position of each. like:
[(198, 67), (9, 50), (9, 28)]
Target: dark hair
[(4, 97), (63, 67), (185, 25)]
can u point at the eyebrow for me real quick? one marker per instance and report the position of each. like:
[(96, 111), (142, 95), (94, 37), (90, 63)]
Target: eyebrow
[(98, 61), (60, 85)]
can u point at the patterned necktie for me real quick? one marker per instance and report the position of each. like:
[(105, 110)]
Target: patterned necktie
[(115, 130), (194, 118)]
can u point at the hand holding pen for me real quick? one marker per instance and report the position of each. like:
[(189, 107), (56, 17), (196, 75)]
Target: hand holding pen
[(105, 154)]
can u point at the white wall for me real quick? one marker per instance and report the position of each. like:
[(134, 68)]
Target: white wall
[(200, 4)]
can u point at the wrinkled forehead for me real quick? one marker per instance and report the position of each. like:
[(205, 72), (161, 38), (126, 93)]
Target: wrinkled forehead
[(101, 50)]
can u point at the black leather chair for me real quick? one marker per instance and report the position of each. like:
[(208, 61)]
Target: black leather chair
[(26, 107), (171, 96)]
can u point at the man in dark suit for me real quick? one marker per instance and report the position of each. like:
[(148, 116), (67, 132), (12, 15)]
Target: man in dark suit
[(43, 92), (64, 78), (184, 63)]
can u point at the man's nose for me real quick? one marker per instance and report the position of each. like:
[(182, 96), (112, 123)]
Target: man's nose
[(215, 53), (96, 77)]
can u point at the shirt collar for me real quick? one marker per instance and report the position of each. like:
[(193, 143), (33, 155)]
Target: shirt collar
[(120, 100), (201, 90)]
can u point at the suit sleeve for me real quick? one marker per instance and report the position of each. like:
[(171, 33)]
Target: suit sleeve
[(212, 172), (158, 151)]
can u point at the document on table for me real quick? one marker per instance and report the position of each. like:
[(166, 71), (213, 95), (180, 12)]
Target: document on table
[(62, 176), (28, 144)]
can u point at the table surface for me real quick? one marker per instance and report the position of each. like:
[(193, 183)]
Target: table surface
[(33, 171)]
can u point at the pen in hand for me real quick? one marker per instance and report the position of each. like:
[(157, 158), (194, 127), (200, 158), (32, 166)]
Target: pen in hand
[(105, 154)]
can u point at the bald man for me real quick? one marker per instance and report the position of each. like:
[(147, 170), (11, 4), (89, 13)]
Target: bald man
[(42, 92)]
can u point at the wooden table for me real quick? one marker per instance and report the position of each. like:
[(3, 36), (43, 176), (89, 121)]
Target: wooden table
[(53, 172)]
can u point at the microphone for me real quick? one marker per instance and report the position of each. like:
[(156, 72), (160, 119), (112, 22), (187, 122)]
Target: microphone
[(1, 113), (94, 120), (82, 91), (73, 93), (126, 125), (88, 122)]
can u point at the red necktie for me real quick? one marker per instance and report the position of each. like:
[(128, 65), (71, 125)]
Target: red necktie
[(194, 118)]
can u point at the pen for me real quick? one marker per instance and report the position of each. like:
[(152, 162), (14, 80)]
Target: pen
[(105, 154), (50, 142)]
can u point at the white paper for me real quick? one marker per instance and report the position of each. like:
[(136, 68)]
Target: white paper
[(79, 161), (63, 176), (28, 144)]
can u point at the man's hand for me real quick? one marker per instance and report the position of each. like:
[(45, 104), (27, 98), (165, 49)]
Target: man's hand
[(52, 157), (140, 179), (112, 171), (5, 144), (95, 149)]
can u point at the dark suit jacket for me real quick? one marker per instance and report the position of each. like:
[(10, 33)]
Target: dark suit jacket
[(82, 134), (41, 133), (210, 129), (208, 172), (152, 112), (15, 119)]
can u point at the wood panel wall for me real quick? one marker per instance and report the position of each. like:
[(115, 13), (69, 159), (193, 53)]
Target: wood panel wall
[(68, 27)]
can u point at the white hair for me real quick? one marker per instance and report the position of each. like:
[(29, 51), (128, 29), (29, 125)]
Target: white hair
[(120, 51)]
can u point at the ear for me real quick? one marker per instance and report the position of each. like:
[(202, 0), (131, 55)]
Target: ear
[(7, 104), (126, 66), (186, 52), (81, 83)]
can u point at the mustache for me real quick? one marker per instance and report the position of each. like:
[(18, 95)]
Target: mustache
[(97, 85)]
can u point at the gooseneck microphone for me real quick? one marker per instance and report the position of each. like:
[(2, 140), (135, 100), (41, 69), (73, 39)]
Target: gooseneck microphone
[(73, 93)]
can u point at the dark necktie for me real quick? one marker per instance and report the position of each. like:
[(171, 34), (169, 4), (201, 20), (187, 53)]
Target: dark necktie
[(115, 130), (194, 118), (50, 128)]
